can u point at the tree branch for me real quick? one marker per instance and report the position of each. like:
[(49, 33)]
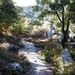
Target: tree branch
[(58, 17)]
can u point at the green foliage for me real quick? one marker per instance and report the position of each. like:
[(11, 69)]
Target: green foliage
[(17, 27), (72, 52), (19, 24), (63, 9), (11, 16), (58, 25), (55, 72), (72, 72), (35, 22), (44, 13), (42, 2), (50, 51), (72, 12), (65, 2), (72, 7), (51, 54), (55, 7), (35, 8), (47, 54), (7, 12)]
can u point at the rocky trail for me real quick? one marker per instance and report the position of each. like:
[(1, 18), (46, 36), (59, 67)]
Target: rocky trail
[(39, 65)]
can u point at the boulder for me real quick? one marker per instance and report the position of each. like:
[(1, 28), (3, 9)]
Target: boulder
[(11, 68), (13, 48), (60, 37), (66, 57), (16, 66), (49, 32), (51, 27)]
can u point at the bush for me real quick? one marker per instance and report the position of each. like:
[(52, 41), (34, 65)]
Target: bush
[(47, 55), (73, 55)]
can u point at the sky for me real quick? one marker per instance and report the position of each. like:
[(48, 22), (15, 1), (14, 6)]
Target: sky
[(25, 2)]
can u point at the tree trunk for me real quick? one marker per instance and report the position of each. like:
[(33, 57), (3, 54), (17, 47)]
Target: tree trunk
[(65, 38), (63, 20), (64, 32)]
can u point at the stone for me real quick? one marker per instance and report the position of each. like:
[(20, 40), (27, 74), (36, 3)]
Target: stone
[(13, 48), (17, 66), (60, 37), (50, 31), (55, 41), (66, 57), (59, 45), (51, 27), (71, 44), (45, 34)]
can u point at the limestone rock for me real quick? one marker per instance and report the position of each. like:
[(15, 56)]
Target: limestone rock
[(13, 48), (16, 66), (49, 32), (66, 57), (60, 37)]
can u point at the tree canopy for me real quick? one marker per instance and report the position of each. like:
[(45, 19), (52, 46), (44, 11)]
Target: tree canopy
[(63, 9), (7, 12), (10, 15)]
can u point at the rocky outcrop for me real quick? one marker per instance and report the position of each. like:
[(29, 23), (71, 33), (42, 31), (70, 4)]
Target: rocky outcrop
[(66, 57)]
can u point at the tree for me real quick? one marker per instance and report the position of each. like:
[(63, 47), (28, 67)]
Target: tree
[(11, 16), (19, 24), (8, 14), (63, 9)]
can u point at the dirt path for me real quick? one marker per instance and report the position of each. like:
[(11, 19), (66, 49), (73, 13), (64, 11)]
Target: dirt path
[(38, 63)]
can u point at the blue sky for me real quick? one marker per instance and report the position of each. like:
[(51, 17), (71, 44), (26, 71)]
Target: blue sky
[(25, 2)]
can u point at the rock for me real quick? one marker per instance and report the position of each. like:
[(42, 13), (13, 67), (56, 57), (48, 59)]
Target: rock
[(60, 37), (55, 37), (47, 34), (13, 48), (50, 32), (3, 40), (55, 41), (51, 27), (16, 66), (35, 61), (71, 44), (72, 38), (59, 45), (66, 57)]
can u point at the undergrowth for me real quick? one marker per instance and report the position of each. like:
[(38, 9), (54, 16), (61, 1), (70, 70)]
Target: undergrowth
[(51, 53)]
